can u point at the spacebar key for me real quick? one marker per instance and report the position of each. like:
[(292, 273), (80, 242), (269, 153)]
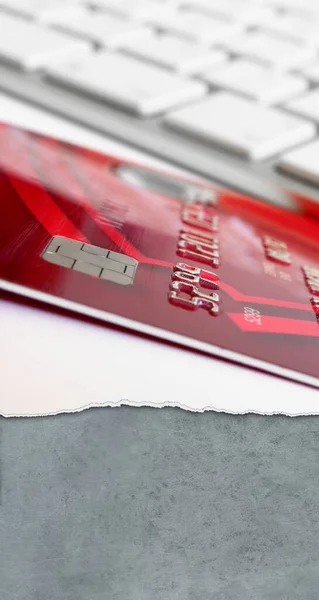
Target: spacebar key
[(127, 82), (240, 126)]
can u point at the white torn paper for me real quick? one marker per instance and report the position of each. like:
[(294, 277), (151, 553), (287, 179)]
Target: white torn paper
[(52, 363)]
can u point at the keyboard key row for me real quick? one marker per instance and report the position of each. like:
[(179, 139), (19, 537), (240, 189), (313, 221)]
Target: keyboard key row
[(169, 49), (254, 80), (235, 123), (246, 12), (100, 28), (147, 74), (139, 10), (271, 50), (266, 86), (241, 126), (197, 26), (173, 52), (127, 82), (40, 9), (29, 46)]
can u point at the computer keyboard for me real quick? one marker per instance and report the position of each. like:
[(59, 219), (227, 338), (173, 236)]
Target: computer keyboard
[(226, 88)]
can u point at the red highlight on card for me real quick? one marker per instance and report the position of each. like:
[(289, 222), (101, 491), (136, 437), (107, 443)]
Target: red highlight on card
[(277, 325)]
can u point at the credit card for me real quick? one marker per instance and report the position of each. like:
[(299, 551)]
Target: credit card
[(192, 263)]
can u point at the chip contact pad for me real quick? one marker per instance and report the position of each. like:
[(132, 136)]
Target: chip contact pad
[(92, 260)]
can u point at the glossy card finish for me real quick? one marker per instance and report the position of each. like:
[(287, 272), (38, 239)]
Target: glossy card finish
[(195, 264)]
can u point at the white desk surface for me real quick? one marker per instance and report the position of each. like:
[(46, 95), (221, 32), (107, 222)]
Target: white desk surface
[(44, 366)]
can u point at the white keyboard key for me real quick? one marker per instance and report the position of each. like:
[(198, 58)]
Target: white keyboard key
[(266, 86), (307, 106), (271, 50), (29, 46), (198, 26), (174, 53), (302, 162), (293, 27), (241, 126), (127, 82), (40, 9), (139, 10), (312, 72), (101, 28), (246, 11), (300, 8)]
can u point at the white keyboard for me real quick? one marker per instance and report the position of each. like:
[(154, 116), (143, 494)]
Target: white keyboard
[(226, 88)]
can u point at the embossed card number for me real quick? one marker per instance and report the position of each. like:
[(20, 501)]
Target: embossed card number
[(185, 294)]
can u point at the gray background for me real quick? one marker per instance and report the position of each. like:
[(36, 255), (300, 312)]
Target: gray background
[(149, 504)]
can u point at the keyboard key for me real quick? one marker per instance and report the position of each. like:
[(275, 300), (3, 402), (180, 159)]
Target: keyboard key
[(240, 126), (247, 12), (306, 106), (312, 72), (40, 9), (30, 46), (197, 26), (300, 8), (297, 29), (127, 82), (302, 162), (101, 28), (174, 53), (271, 50), (266, 86), (139, 10)]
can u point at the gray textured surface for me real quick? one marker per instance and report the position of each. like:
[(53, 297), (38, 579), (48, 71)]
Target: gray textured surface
[(144, 504)]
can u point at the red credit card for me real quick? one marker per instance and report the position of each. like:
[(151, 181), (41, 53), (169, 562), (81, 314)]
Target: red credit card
[(195, 264)]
